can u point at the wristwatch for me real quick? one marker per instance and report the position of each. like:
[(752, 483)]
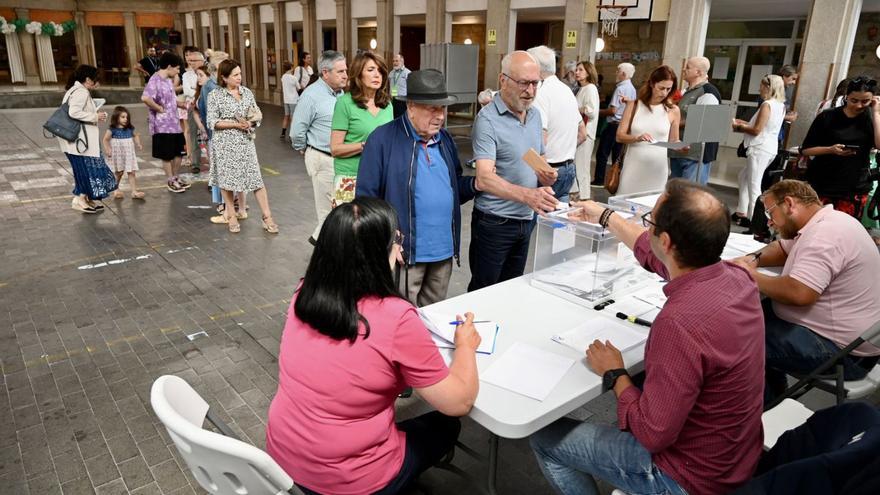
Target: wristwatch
[(610, 377)]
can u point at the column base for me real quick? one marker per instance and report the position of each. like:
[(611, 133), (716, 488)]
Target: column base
[(135, 81), (32, 81)]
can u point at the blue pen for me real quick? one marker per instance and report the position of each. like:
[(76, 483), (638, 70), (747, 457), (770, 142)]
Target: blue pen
[(462, 322)]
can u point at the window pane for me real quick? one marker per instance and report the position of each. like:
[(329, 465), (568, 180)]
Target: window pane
[(720, 56), (750, 29)]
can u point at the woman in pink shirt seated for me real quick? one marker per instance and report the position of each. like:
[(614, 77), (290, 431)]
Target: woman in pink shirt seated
[(350, 346)]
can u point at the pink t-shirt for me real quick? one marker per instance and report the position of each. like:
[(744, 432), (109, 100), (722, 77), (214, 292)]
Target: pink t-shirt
[(834, 256), (331, 423)]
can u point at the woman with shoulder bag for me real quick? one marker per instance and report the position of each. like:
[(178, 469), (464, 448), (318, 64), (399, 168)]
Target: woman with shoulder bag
[(93, 179)]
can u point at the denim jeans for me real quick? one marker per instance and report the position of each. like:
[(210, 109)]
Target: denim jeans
[(571, 454), (499, 248), (692, 170), (608, 146), (429, 438), (564, 181), (794, 348)]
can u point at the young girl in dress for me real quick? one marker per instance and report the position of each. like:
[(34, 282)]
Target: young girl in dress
[(119, 147)]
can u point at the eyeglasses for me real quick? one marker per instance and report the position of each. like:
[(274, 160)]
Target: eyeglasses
[(647, 220), (524, 85), (768, 210), (398, 238)]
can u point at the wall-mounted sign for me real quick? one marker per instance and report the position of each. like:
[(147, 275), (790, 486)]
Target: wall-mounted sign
[(491, 38), (628, 56), (571, 39)]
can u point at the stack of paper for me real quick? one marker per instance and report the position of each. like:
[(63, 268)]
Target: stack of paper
[(528, 370), (442, 328), (602, 329)]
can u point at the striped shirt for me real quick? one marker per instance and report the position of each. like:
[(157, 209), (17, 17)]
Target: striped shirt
[(313, 117)]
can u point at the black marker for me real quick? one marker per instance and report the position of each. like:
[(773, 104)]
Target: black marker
[(601, 305), (634, 319)]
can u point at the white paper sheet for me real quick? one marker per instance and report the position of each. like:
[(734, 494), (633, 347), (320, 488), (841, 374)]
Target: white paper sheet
[(99, 102), (649, 200), (720, 66), (563, 239), (651, 295), (743, 243), (528, 370), (758, 73), (667, 144), (602, 329), (630, 305), (443, 332)]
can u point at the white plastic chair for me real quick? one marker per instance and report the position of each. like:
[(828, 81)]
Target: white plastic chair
[(788, 415), (222, 464)]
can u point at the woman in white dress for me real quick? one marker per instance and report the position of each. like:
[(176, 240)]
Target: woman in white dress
[(588, 104), (652, 117), (762, 142)]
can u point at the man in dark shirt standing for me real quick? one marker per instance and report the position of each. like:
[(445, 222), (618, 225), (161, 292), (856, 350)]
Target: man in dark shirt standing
[(148, 65), (695, 427)]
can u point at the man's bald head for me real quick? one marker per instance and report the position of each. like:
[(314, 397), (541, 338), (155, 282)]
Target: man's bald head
[(519, 79), (697, 222), (696, 70)]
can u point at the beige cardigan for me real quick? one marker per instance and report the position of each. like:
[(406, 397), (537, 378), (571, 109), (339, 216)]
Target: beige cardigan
[(82, 107)]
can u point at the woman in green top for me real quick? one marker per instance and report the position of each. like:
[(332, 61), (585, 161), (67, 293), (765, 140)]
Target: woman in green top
[(365, 107)]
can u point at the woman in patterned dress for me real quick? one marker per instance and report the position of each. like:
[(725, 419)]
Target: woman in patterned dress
[(233, 114)]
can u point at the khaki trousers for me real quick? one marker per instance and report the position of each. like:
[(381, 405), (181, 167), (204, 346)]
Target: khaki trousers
[(320, 168), (426, 283)]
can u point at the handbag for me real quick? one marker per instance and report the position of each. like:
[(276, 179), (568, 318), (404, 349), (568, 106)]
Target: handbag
[(612, 175), (62, 125), (741, 150)]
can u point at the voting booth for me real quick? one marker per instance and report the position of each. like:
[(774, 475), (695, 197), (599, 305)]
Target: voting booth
[(637, 203), (581, 261)]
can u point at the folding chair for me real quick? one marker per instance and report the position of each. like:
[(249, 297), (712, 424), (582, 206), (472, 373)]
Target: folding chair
[(221, 463), (829, 375)]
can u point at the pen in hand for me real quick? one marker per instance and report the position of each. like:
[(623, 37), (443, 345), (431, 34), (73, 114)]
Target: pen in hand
[(457, 322)]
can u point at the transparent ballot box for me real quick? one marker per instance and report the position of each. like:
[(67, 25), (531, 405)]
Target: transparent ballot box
[(637, 203), (581, 261)]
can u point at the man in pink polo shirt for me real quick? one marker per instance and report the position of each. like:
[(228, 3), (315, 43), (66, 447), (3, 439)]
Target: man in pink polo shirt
[(695, 425), (828, 293)]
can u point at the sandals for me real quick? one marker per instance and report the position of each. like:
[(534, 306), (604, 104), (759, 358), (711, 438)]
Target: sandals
[(234, 228), (269, 225), (137, 195), (219, 219), (241, 215), (117, 194)]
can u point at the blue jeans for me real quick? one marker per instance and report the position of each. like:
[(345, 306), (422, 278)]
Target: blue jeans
[(429, 438), (608, 146), (571, 454), (792, 348), (692, 170), (499, 248), (564, 181)]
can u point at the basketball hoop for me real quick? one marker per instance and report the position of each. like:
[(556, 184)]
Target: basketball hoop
[(610, 20)]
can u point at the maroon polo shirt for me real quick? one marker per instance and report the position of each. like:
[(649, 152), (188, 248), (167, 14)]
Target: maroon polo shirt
[(699, 413)]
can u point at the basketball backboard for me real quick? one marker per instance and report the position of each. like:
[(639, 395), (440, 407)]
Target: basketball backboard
[(635, 9)]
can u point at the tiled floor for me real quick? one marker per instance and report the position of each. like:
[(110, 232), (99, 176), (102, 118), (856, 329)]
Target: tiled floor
[(94, 308)]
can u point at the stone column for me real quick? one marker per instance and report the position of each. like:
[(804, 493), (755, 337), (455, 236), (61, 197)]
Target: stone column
[(234, 32), (180, 27), (216, 30), (344, 43), (436, 22), (258, 51), (28, 52), (685, 32), (828, 42), (502, 20), (281, 53), (135, 80), (310, 27), (198, 36), (574, 22), (385, 28), (82, 39)]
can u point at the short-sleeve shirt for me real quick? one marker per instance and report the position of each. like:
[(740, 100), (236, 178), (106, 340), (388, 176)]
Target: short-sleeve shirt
[(560, 117), (161, 90), (288, 88), (834, 255), (331, 424), (499, 135), (150, 65), (358, 123), (624, 89), (840, 175)]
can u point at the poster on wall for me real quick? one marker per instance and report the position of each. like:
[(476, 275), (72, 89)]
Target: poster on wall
[(720, 68), (758, 73)]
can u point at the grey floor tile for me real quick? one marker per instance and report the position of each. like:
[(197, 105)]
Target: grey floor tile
[(135, 473), (101, 469), (169, 476)]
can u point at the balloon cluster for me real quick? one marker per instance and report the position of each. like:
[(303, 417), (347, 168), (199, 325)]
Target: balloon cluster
[(34, 27)]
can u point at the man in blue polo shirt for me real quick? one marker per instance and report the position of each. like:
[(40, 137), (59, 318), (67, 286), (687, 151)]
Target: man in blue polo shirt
[(412, 162), (504, 213)]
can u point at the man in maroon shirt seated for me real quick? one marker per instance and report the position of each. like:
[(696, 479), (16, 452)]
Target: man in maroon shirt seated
[(695, 427)]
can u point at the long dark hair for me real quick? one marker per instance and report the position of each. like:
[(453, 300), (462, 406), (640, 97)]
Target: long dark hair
[(660, 74), (117, 112), (350, 262), (383, 94), (80, 75)]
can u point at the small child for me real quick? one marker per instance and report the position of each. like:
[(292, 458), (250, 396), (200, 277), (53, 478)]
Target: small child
[(119, 143)]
